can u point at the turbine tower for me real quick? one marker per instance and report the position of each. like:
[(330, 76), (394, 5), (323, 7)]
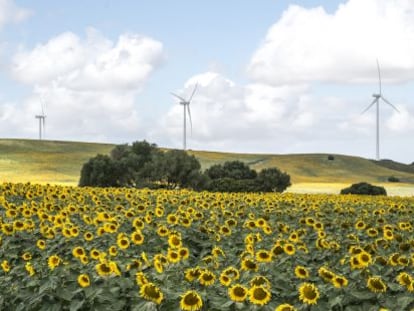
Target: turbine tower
[(42, 122), (186, 108), (377, 97)]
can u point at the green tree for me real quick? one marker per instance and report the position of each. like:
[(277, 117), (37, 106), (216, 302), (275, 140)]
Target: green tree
[(272, 180), (100, 171)]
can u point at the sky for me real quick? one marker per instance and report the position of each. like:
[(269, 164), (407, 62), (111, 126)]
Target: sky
[(272, 76)]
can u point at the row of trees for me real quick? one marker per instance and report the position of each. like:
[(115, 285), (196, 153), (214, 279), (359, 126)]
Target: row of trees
[(144, 165)]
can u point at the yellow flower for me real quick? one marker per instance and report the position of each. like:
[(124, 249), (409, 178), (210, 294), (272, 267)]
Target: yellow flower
[(83, 280), (259, 295), (289, 249), (308, 293), (191, 301), (5, 266), (151, 292), (285, 307), (301, 272), (207, 278), (41, 244), (238, 293), (376, 285), (53, 261)]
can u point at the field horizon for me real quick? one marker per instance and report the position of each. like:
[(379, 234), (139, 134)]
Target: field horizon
[(60, 162)]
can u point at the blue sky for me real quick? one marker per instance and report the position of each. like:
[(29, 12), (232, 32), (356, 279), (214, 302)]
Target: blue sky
[(274, 76)]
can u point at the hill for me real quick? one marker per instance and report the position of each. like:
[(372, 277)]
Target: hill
[(61, 162)]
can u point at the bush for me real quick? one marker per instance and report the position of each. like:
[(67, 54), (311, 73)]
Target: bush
[(331, 157), (393, 179), (364, 188)]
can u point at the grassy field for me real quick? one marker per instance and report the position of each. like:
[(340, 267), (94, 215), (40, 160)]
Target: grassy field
[(60, 162)]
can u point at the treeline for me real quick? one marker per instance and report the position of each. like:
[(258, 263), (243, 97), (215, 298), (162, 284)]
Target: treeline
[(143, 164)]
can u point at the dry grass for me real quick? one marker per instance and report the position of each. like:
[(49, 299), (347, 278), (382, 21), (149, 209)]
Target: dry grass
[(60, 162)]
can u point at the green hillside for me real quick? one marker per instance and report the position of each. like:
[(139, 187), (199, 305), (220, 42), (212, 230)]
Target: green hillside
[(61, 162)]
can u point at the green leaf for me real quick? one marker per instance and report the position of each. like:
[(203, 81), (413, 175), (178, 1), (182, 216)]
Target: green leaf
[(404, 301), (362, 295), (75, 305)]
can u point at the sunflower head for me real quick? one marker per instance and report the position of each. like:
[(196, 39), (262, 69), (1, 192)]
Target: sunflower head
[(308, 293), (238, 293), (191, 301), (151, 292), (376, 285), (259, 295)]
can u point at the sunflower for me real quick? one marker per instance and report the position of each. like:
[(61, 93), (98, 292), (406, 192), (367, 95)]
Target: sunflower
[(225, 230), (285, 307), (123, 242), (289, 249), (207, 278), (404, 279), (225, 280), (376, 285), (151, 292), (238, 293), (172, 219), (217, 252), (263, 256), (260, 280), (232, 273), (277, 250), (27, 256), (158, 266), (103, 269), (301, 272), (388, 235), (29, 268), (259, 295), (308, 293), (365, 259), (173, 256), (162, 231), (53, 261), (174, 241), (41, 244), (94, 253), (140, 278), (5, 266), (184, 253), (137, 237), (88, 236), (248, 265), (113, 251), (83, 280), (339, 281), (191, 301), (78, 252), (192, 273)]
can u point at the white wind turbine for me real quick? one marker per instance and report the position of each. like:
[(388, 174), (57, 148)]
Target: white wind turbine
[(42, 118), (376, 101), (186, 106)]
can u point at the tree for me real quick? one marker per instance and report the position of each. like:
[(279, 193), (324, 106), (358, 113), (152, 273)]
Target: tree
[(364, 188), (231, 169), (99, 171), (272, 180)]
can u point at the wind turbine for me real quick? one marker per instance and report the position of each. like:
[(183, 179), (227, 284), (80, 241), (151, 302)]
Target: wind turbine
[(186, 107), (41, 118), (377, 97)]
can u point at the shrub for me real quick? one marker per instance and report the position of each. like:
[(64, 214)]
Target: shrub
[(393, 179), (364, 188), (331, 157)]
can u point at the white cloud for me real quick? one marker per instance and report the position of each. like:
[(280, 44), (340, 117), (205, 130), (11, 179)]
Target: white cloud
[(11, 13), (95, 63), (89, 85), (308, 45)]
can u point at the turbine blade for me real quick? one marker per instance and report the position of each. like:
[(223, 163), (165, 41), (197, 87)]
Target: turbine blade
[(366, 109), (195, 88), (179, 97), (379, 76), (189, 117), (395, 108)]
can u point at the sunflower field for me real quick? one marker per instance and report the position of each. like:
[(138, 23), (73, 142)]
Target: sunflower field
[(69, 248)]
